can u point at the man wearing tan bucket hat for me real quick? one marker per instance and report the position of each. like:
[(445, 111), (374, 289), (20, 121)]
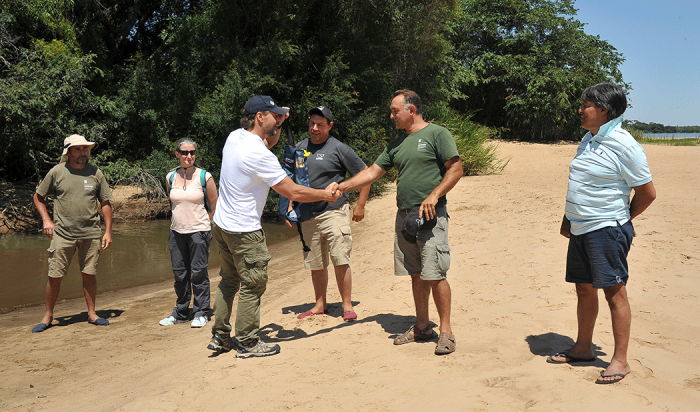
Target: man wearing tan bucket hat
[(80, 191)]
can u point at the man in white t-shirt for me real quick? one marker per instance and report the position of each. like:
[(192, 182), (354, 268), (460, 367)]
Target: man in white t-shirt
[(248, 170)]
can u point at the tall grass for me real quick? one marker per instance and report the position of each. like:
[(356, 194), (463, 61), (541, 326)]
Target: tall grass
[(670, 142), (474, 142), (639, 136)]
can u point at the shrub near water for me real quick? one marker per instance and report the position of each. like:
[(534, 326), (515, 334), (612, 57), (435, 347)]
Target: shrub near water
[(478, 157), (473, 142)]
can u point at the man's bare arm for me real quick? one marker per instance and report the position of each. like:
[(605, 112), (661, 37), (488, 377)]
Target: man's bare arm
[(643, 196), (106, 207), (48, 224), (358, 212), (364, 177), (452, 175), (303, 194)]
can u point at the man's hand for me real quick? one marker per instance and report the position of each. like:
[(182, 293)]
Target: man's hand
[(48, 228), (289, 209), (106, 240), (333, 192), (565, 229), (427, 208), (48, 224), (358, 213)]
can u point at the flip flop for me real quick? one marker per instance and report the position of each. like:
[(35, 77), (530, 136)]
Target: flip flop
[(40, 327), (99, 322), (310, 313), (349, 316), (612, 375), (569, 358)]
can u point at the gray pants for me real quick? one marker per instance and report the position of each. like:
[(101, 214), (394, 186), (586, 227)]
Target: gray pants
[(189, 254)]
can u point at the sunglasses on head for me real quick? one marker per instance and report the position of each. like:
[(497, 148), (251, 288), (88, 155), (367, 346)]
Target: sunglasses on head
[(186, 152)]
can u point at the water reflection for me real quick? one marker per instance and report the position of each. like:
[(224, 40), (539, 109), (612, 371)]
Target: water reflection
[(139, 255)]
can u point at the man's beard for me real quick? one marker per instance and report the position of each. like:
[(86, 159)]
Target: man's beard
[(81, 160), (272, 131)]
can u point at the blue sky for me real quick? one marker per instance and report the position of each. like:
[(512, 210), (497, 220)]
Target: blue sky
[(660, 41)]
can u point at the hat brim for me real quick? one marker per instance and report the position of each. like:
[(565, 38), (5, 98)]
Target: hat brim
[(64, 155)]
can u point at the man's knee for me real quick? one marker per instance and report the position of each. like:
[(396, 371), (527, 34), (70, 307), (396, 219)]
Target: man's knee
[(616, 295), (586, 291), (88, 279), (439, 283), (55, 281)]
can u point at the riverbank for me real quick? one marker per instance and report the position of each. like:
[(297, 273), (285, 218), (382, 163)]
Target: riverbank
[(510, 309), (18, 214)]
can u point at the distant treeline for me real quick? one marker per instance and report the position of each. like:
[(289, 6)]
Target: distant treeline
[(658, 128)]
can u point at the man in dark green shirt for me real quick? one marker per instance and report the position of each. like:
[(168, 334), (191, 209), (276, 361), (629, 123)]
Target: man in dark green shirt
[(428, 164)]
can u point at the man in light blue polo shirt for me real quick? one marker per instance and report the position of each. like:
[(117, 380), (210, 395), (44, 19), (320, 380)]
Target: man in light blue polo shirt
[(609, 163)]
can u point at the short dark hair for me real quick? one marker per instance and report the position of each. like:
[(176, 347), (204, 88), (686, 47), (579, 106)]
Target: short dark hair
[(410, 98), (607, 96)]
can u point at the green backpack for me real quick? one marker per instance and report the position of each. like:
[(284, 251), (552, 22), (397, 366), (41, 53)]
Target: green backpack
[(202, 180)]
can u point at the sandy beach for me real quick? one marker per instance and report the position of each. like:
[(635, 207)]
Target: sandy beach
[(510, 309)]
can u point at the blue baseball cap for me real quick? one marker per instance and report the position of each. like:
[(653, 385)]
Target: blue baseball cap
[(263, 104)]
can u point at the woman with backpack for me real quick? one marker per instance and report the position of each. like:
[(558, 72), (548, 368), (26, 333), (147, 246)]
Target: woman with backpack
[(193, 196)]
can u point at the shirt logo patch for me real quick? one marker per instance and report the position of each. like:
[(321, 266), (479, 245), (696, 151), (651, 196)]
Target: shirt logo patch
[(319, 156), (421, 145)]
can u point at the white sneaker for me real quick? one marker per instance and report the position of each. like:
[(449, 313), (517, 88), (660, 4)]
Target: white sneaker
[(170, 320), (199, 321)]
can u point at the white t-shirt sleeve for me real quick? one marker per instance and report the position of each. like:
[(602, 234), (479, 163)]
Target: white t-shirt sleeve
[(269, 169)]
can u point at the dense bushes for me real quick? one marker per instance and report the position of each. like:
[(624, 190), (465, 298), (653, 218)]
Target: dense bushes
[(135, 76)]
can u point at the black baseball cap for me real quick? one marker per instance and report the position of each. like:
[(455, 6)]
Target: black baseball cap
[(413, 224), (323, 111), (263, 104)]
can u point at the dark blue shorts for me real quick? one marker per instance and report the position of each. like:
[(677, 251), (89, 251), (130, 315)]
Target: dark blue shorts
[(600, 257)]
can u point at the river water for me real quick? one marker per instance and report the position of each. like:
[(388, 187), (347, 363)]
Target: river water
[(138, 256)]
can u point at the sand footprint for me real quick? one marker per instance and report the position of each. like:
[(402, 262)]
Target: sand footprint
[(640, 370), (692, 383)]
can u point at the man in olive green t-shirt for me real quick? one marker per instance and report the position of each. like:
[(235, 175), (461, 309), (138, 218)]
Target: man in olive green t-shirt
[(80, 191), (429, 166)]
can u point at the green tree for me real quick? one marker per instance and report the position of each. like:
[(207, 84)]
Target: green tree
[(136, 75), (527, 63), (44, 94)]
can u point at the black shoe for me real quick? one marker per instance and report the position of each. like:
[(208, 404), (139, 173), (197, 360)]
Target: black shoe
[(219, 343)]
